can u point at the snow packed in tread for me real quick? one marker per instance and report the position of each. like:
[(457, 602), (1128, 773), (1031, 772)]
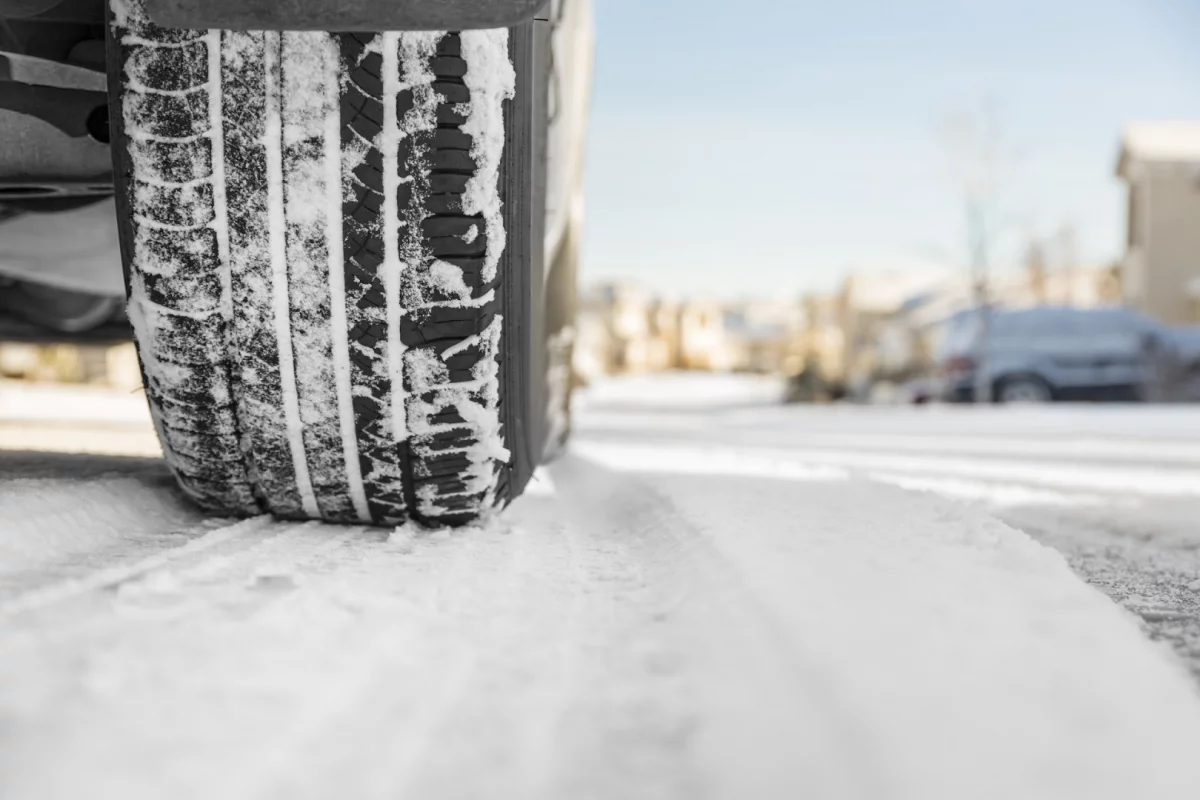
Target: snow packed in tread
[(173, 280), (393, 395)]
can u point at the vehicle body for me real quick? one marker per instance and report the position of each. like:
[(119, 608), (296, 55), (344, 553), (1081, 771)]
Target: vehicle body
[(1055, 354), (187, 155)]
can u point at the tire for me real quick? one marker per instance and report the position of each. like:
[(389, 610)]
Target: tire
[(1021, 389), (327, 249)]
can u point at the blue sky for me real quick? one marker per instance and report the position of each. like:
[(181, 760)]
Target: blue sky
[(767, 152)]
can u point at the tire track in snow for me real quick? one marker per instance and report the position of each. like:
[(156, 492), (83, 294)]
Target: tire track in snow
[(739, 713), (713, 459), (626, 637), (951, 647), (311, 157), (583, 678), (277, 230), (368, 754), (487, 723), (238, 533)]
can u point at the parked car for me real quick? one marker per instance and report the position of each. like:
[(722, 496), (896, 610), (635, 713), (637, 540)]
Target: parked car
[(1041, 355), (347, 233)]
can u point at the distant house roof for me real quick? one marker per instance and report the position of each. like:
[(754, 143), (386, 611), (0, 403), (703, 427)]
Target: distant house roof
[(1167, 140), (887, 290)]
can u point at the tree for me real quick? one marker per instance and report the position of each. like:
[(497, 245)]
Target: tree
[(974, 143)]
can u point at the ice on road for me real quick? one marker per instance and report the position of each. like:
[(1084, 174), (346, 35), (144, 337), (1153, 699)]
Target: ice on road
[(678, 608)]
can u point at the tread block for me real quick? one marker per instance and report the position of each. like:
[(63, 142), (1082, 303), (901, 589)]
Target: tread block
[(172, 69), (169, 115)]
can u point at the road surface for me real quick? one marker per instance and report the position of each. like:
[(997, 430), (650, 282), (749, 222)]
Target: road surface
[(710, 596), (1115, 489)]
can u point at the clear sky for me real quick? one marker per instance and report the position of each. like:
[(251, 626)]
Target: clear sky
[(768, 147)]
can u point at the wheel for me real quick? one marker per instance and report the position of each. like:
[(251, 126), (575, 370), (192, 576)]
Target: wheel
[(328, 249), (1023, 389)]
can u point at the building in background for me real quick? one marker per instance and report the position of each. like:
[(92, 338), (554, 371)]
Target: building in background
[(115, 366), (624, 329), (886, 328), (1160, 274), (702, 341), (839, 343), (760, 335)]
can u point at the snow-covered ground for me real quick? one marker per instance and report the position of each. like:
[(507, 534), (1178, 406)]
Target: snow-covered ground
[(710, 596)]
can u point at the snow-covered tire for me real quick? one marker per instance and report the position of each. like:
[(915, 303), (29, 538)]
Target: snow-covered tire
[(328, 313)]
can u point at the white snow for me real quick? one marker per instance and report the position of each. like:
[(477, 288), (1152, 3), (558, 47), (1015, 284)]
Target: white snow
[(669, 612), (1143, 480), (678, 391), (700, 460), (998, 495), (454, 349), (642, 636), (491, 80), (477, 401), (311, 156), (44, 525), (389, 143), (22, 401), (540, 484), (81, 419), (120, 10), (950, 653), (280, 300), (338, 326)]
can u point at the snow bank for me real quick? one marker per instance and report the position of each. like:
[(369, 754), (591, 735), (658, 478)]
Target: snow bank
[(683, 390), (22, 401), (906, 646), (621, 635), (720, 459), (50, 523), (952, 654)]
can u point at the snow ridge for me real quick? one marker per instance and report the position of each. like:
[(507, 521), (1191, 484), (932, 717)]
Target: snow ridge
[(271, 439), (310, 64), (280, 289)]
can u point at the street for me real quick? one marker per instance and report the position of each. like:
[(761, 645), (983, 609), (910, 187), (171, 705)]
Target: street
[(710, 595), (1115, 489)]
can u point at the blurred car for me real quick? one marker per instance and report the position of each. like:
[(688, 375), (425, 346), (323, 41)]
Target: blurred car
[(1041, 355), (1185, 377), (920, 391)]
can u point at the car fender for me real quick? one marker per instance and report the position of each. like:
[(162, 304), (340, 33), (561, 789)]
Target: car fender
[(342, 15)]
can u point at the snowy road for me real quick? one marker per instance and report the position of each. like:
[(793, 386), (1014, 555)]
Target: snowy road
[(1115, 489), (710, 597)]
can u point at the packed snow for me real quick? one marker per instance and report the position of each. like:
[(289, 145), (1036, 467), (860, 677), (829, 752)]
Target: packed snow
[(491, 80), (693, 602)]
